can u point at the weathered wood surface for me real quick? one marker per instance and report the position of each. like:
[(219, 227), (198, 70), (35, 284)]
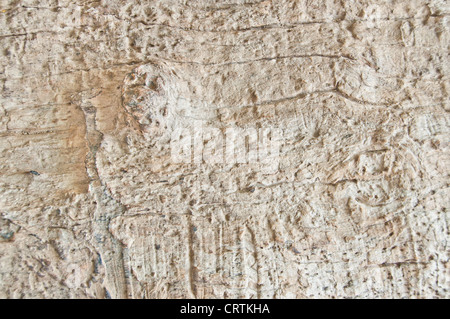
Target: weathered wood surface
[(93, 206)]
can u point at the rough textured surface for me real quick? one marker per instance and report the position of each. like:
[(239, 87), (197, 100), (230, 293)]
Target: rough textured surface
[(92, 206)]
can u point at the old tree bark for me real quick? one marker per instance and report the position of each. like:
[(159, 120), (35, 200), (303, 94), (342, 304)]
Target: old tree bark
[(93, 205)]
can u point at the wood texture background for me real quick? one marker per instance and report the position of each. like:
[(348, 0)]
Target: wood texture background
[(91, 205)]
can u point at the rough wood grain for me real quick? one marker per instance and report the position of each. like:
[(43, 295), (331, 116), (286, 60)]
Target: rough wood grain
[(92, 204)]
